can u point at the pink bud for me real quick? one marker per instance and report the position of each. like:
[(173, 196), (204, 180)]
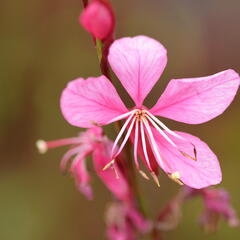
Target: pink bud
[(98, 19)]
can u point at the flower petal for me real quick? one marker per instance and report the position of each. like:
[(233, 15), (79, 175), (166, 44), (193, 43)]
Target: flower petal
[(82, 177), (138, 62), (85, 103), (197, 100), (199, 173), (114, 179)]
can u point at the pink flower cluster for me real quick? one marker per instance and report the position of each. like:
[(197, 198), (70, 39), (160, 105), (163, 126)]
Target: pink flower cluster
[(91, 103)]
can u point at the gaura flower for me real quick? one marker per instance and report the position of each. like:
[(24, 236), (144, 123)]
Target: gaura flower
[(217, 206), (138, 62), (91, 143), (98, 19), (125, 222)]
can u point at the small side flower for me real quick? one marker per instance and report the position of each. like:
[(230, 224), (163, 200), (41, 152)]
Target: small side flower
[(125, 222)]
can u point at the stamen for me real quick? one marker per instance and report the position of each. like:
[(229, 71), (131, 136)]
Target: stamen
[(151, 118), (187, 155), (108, 165), (68, 155), (176, 178), (136, 143), (144, 146), (161, 131), (164, 126), (126, 138), (143, 174), (115, 171), (121, 133), (155, 178), (120, 117), (153, 143)]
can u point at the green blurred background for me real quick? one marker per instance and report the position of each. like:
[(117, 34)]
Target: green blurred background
[(42, 47)]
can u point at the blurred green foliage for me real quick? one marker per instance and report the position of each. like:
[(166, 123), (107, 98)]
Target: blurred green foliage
[(42, 48)]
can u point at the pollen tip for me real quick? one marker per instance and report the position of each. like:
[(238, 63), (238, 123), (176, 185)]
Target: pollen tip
[(41, 146), (143, 174), (175, 176), (188, 156), (108, 165), (155, 178)]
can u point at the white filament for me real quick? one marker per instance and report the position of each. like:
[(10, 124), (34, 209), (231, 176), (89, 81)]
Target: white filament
[(161, 131), (120, 117), (153, 143), (121, 133), (136, 143), (164, 126), (144, 146), (126, 137)]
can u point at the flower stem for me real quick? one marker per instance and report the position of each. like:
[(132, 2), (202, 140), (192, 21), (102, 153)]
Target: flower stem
[(102, 48), (85, 3), (99, 47), (156, 234)]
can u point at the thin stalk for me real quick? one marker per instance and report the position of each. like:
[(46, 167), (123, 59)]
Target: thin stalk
[(156, 234), (85, 3)]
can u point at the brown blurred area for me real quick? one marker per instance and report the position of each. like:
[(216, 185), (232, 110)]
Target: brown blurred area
[(42, 47)]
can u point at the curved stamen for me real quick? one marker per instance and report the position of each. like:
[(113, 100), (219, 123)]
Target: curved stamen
[(68, 155), (150, 116), (80, 156), (121, 133), (144, 146), (164, 126), (153, 143), (120, 117), (126, 137), (161, 132), (143, 174), (136, 143)]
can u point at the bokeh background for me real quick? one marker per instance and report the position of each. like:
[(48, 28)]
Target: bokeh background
[(42, 47)]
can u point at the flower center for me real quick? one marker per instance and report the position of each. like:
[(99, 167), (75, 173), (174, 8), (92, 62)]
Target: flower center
[(140, 114), (141, 123)]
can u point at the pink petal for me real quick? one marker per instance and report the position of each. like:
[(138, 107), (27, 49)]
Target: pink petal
[(97, 18), (82, 178), (114, 181), (85, 103), (197, 100), (138, 62), (200, 173)]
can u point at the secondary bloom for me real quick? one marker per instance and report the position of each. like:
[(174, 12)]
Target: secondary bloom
[(124, 222), (217, 205), (91, 143), (138, 62), (98, 19)]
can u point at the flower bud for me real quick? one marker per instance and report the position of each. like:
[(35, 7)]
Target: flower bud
[(98, 19)]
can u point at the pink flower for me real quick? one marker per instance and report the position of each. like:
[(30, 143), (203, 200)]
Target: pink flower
[(86, 144), (124, 222), (98, 19), (138, 62), (217, 205)]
